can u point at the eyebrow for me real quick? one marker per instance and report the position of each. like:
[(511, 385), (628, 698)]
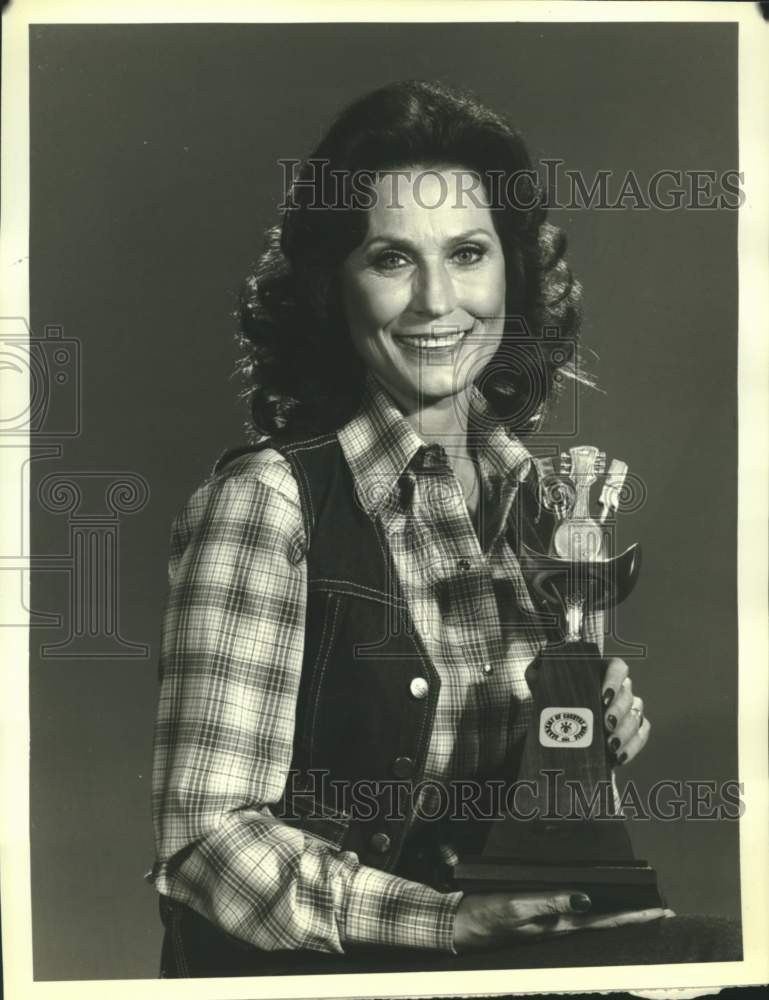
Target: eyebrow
[(403, 242)]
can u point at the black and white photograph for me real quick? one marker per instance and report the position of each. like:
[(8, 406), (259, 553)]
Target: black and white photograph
[(384, 474)]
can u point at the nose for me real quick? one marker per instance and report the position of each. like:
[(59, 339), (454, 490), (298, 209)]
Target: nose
[(433, 293)]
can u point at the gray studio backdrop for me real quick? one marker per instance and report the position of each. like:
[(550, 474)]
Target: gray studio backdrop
[(154, 173)]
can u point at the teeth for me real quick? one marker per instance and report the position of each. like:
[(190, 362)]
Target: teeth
[(448, 340)]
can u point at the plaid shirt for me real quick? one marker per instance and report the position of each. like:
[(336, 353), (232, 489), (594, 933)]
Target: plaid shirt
[(231, 658)]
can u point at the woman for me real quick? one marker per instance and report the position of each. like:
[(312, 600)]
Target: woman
[(347, 614)]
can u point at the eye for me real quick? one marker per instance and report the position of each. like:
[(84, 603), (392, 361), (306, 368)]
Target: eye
[(468, 253), (390, 260)]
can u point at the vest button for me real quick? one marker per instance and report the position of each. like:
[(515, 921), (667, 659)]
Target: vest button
[(487, 668), (419, 688), (464, 565), (403, 767), (380, 843)]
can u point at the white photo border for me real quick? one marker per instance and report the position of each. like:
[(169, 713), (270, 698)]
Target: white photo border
[(753, 365)]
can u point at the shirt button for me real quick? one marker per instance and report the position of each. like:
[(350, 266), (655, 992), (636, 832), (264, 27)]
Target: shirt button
[(434, 456), (463, 565), (487, 668), (403, 767), (380, 843), (419, 688)]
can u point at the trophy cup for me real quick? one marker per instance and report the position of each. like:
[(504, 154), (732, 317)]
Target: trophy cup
[(564, 831)]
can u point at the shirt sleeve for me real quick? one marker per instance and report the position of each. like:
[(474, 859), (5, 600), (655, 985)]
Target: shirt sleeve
[(230, 664)]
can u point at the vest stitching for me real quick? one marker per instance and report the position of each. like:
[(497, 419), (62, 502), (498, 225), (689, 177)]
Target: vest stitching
[(312, 673), (382, 596), (399, 602), (311, 444), (289, 452), (321, 667), (308, 509), (181, 957)]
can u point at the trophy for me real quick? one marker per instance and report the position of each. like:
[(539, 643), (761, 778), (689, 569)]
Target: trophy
[(560, 828)]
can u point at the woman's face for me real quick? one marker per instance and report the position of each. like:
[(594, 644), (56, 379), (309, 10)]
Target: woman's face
[(424, 293)]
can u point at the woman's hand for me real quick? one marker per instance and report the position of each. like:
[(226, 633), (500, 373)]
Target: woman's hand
[(626, 724), (495, 919)]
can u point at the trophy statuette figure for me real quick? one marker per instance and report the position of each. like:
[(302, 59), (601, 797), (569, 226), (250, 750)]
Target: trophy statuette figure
[(565, 831)]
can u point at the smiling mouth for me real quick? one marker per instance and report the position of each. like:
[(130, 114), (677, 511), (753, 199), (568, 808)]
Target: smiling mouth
[(431, 342)]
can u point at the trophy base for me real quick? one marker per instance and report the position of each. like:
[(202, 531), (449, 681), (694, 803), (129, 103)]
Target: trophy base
[(611, 887)]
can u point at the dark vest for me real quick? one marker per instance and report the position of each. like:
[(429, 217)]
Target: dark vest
[(369, 690)]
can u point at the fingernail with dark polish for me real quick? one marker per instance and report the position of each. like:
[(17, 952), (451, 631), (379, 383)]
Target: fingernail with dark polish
[(611, 721), (614, 743), (607, 697), (580, 902), (622, 758)]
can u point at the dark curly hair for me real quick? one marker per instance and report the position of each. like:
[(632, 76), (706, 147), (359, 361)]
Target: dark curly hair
[(300, 371)]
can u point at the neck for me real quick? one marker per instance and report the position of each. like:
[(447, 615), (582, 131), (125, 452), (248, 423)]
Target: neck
[(443, 421)]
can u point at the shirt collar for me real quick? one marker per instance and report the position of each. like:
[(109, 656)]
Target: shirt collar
[(501, 455), (380, 445)]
